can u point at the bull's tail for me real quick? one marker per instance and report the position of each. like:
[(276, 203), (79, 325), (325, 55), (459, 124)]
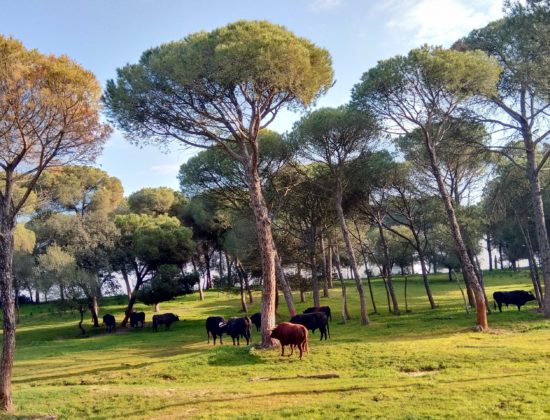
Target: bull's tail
[(495, 304)]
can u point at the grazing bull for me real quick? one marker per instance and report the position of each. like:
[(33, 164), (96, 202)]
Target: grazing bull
[(313, 321), (216, 326), (137, 318), (257, 320), (164, 319), (515, 297), (323, 309), (239, 327), (109, 322), (294, 335)]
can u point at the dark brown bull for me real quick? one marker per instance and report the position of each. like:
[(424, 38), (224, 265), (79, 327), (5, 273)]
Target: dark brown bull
[(293, 335)]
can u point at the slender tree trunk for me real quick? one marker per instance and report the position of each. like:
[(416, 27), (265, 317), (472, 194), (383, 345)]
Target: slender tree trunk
[(157, 308), (353, 262), (345, 312), (228, 264), (244, 277), (533, 269), (389, 276), (61, 293), (422, 259), (500, 256), (267, 252), (243, 298), (8, 308), (489, 252), (220, 264), (313, 264), (207, 265), (465, 262), (37, 297), (365, 260), (383, 273), (94, 310), (201, 291), (329, 265), (283, 283), (324, 266), (538, 214)]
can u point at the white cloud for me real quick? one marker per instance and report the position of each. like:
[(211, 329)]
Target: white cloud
[(168, 169), (440, 22), (324, 5)]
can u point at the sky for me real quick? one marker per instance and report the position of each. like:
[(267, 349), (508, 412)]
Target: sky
[(103, 35)]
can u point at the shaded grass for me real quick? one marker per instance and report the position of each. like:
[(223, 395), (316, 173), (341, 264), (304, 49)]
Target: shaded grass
[(422, 364)]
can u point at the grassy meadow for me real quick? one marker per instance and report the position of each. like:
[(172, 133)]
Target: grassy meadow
[(422, 364)]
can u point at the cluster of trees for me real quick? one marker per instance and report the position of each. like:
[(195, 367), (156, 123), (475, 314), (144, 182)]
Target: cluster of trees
[(317, 198)]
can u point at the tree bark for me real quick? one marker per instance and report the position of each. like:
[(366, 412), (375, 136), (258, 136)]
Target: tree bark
[(329, 265), (157, 308), (243, 298), (7, 227), (206, 255), (538, 215), (267, 252), (324, 266), (365, 260), (283, 282), (465, 262), (353, 262), (313, 265), (94, 310), (489, 252), (345, 312), (387, 264)]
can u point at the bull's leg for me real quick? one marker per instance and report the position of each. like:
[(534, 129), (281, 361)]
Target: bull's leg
[(500, 307), (238, 341), (300, 348), (208, 335), (519, 307), (221, 341), (291, 350), (282, 349)]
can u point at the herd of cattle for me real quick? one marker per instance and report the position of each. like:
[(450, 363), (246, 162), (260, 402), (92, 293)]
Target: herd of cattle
[(293, 333)]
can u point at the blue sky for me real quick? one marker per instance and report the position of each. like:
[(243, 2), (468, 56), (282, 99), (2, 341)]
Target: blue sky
[(105, 34)]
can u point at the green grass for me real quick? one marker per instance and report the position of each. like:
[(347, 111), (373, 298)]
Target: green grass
[(422, 364)]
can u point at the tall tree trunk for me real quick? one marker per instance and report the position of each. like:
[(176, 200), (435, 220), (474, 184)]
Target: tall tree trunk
[(61, 293), (465, 262), (220, 264), (129, 309), (422, 259), (329, 264), (81, 310), (389, 276), (364, 253), (533, 269), (324, 266), (206, 255), (201, 291), (500, 256), (37, 297), (267, 252), (94, 310), (538, 213), (283, 282), (8, 308), (243, 298), (244, 278), (489, 252), (228, 264), (345, 311), (349, 248), (313, 264), (157, 308)]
